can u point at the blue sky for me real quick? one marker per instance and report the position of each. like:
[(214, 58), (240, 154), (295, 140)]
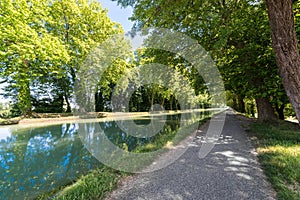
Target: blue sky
[(118, 14), (121, 15)]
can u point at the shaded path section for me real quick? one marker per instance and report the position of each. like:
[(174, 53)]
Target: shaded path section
[(230, 171)]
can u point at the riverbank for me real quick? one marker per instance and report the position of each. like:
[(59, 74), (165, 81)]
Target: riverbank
[(59, 118), (97, 183), (94, 185)]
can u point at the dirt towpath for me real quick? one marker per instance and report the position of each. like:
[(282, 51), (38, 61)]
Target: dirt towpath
[(229, 172)]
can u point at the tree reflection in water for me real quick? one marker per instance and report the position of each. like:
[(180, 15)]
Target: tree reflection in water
[(36, 160)]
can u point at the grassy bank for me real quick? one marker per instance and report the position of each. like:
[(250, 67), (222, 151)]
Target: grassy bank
[(97, 183), (278, 148), (10, 121)]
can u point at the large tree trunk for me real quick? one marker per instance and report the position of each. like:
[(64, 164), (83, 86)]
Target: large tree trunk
[(265, 110), (99, 103), (24, 99), (68, 103), (241, 104), (280, 110), (234, 103), (285, 46)]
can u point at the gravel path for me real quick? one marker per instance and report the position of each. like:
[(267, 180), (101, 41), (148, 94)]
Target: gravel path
[(229, 172)]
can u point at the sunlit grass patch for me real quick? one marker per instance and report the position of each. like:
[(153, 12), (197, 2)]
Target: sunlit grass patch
[(279, 154), (95, 185)]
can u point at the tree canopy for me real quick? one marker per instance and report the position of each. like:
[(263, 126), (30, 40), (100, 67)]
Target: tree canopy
[(237, 34), (43, 44)]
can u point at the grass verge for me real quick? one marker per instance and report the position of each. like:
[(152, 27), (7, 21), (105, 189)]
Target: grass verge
[(99, 182), (278, 148), (95, 185), (10, 121)]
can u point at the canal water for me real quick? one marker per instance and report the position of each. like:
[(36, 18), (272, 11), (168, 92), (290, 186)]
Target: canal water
[(39, 159)]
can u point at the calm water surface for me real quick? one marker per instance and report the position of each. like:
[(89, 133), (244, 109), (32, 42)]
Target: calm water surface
[(38, 159)]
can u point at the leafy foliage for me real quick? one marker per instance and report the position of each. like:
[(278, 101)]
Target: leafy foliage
[(236, 33), (43, 43)]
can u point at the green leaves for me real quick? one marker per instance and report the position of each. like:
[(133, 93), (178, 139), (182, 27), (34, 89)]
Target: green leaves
[(47, 40), (236, 33)]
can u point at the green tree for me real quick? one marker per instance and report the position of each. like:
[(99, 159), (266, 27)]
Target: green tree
[(181, 69), (249, 66), (100, 73), (285, 46), (27, 49), (82, 26), (235, 32), (46, 42)]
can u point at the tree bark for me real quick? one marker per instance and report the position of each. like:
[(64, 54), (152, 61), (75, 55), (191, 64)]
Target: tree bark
[(99, 103), (234, 103), (265, 110), (280, 110), (68, 103), (241, 104), (24, 98), (285, 46)]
